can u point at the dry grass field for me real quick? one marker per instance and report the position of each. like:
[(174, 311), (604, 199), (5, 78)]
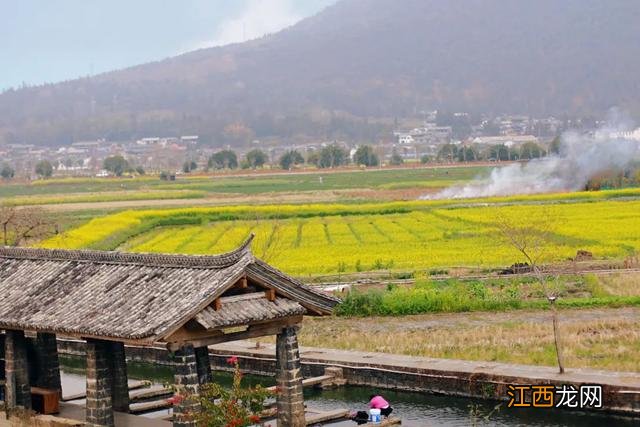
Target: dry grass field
[(591, 338)]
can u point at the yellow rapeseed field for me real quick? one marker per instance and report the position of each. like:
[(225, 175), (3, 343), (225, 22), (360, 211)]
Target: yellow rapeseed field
[(331, 238)]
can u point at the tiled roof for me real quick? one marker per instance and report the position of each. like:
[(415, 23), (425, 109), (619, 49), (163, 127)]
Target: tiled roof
[(244, 309), (126, 296)]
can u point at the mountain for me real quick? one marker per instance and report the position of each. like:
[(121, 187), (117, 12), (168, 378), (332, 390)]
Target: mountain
[(354, 67)]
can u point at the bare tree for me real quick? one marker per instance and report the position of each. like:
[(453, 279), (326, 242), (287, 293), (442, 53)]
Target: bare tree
[(22, 225), (533, 238), (272, 245)]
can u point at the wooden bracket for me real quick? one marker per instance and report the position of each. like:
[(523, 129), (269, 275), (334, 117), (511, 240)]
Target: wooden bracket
[(270, 294)]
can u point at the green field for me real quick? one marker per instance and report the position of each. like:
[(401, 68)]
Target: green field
[(336, 238), (54, 190)]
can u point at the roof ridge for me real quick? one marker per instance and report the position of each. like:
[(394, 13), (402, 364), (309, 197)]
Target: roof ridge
[(114, 257)]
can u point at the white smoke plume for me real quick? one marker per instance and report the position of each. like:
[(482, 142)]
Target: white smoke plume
[(580, 158)]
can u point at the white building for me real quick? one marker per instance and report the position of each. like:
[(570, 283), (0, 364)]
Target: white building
[(629, 134), (509, 141)]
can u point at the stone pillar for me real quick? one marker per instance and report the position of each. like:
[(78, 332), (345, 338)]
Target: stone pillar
[(290, 401), (203, 365), (2, 367), (17, 387), (187, 387), (120, 382), (99, 383), (48, 364)]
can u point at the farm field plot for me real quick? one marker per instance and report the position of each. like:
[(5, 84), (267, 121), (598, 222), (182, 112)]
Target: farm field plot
[(70, 189), (320, 239)]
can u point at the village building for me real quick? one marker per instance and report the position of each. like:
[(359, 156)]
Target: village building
[(112, 299), (509, 141)]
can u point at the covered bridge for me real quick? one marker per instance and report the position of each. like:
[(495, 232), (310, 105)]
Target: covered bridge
[(110, 299)]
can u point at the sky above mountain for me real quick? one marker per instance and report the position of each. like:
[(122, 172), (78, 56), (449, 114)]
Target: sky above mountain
[(49, 41)]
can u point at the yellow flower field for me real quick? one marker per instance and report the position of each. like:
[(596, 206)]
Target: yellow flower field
[(317, 239)]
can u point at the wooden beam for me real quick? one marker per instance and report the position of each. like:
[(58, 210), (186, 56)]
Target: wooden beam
[(243, 282), (254, 331), (217, 304), (183, 335)]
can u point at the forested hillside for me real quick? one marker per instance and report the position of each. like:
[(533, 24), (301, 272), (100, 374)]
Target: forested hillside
[(353, 68)]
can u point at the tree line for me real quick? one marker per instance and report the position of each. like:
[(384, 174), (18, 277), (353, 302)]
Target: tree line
[(498, 152), (329, 156)]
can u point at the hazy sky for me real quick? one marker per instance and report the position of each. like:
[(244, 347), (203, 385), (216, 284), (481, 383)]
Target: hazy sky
[(53, 40)]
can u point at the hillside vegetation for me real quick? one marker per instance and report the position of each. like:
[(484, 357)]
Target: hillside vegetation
[(351, 69)]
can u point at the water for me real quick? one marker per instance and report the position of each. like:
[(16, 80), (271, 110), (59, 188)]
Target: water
[(420, 409), (415, 409)]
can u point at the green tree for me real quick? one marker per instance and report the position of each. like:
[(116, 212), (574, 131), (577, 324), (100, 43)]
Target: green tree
[(467, 154), (189, 166), (499, 152), (44, 169), (256, 158), (117, 165), (314, 158), (396, 159), (225, 159), (425, 158), (531, 150), (448, 152), (366, 156), (140, 170), (290, 159), (554, 147), (7, 172), (332, 156)]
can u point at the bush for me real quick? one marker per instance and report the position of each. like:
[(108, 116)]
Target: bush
[(238, 406), (425, 297)]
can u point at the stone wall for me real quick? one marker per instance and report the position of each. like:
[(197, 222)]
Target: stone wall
[(372, 374)]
